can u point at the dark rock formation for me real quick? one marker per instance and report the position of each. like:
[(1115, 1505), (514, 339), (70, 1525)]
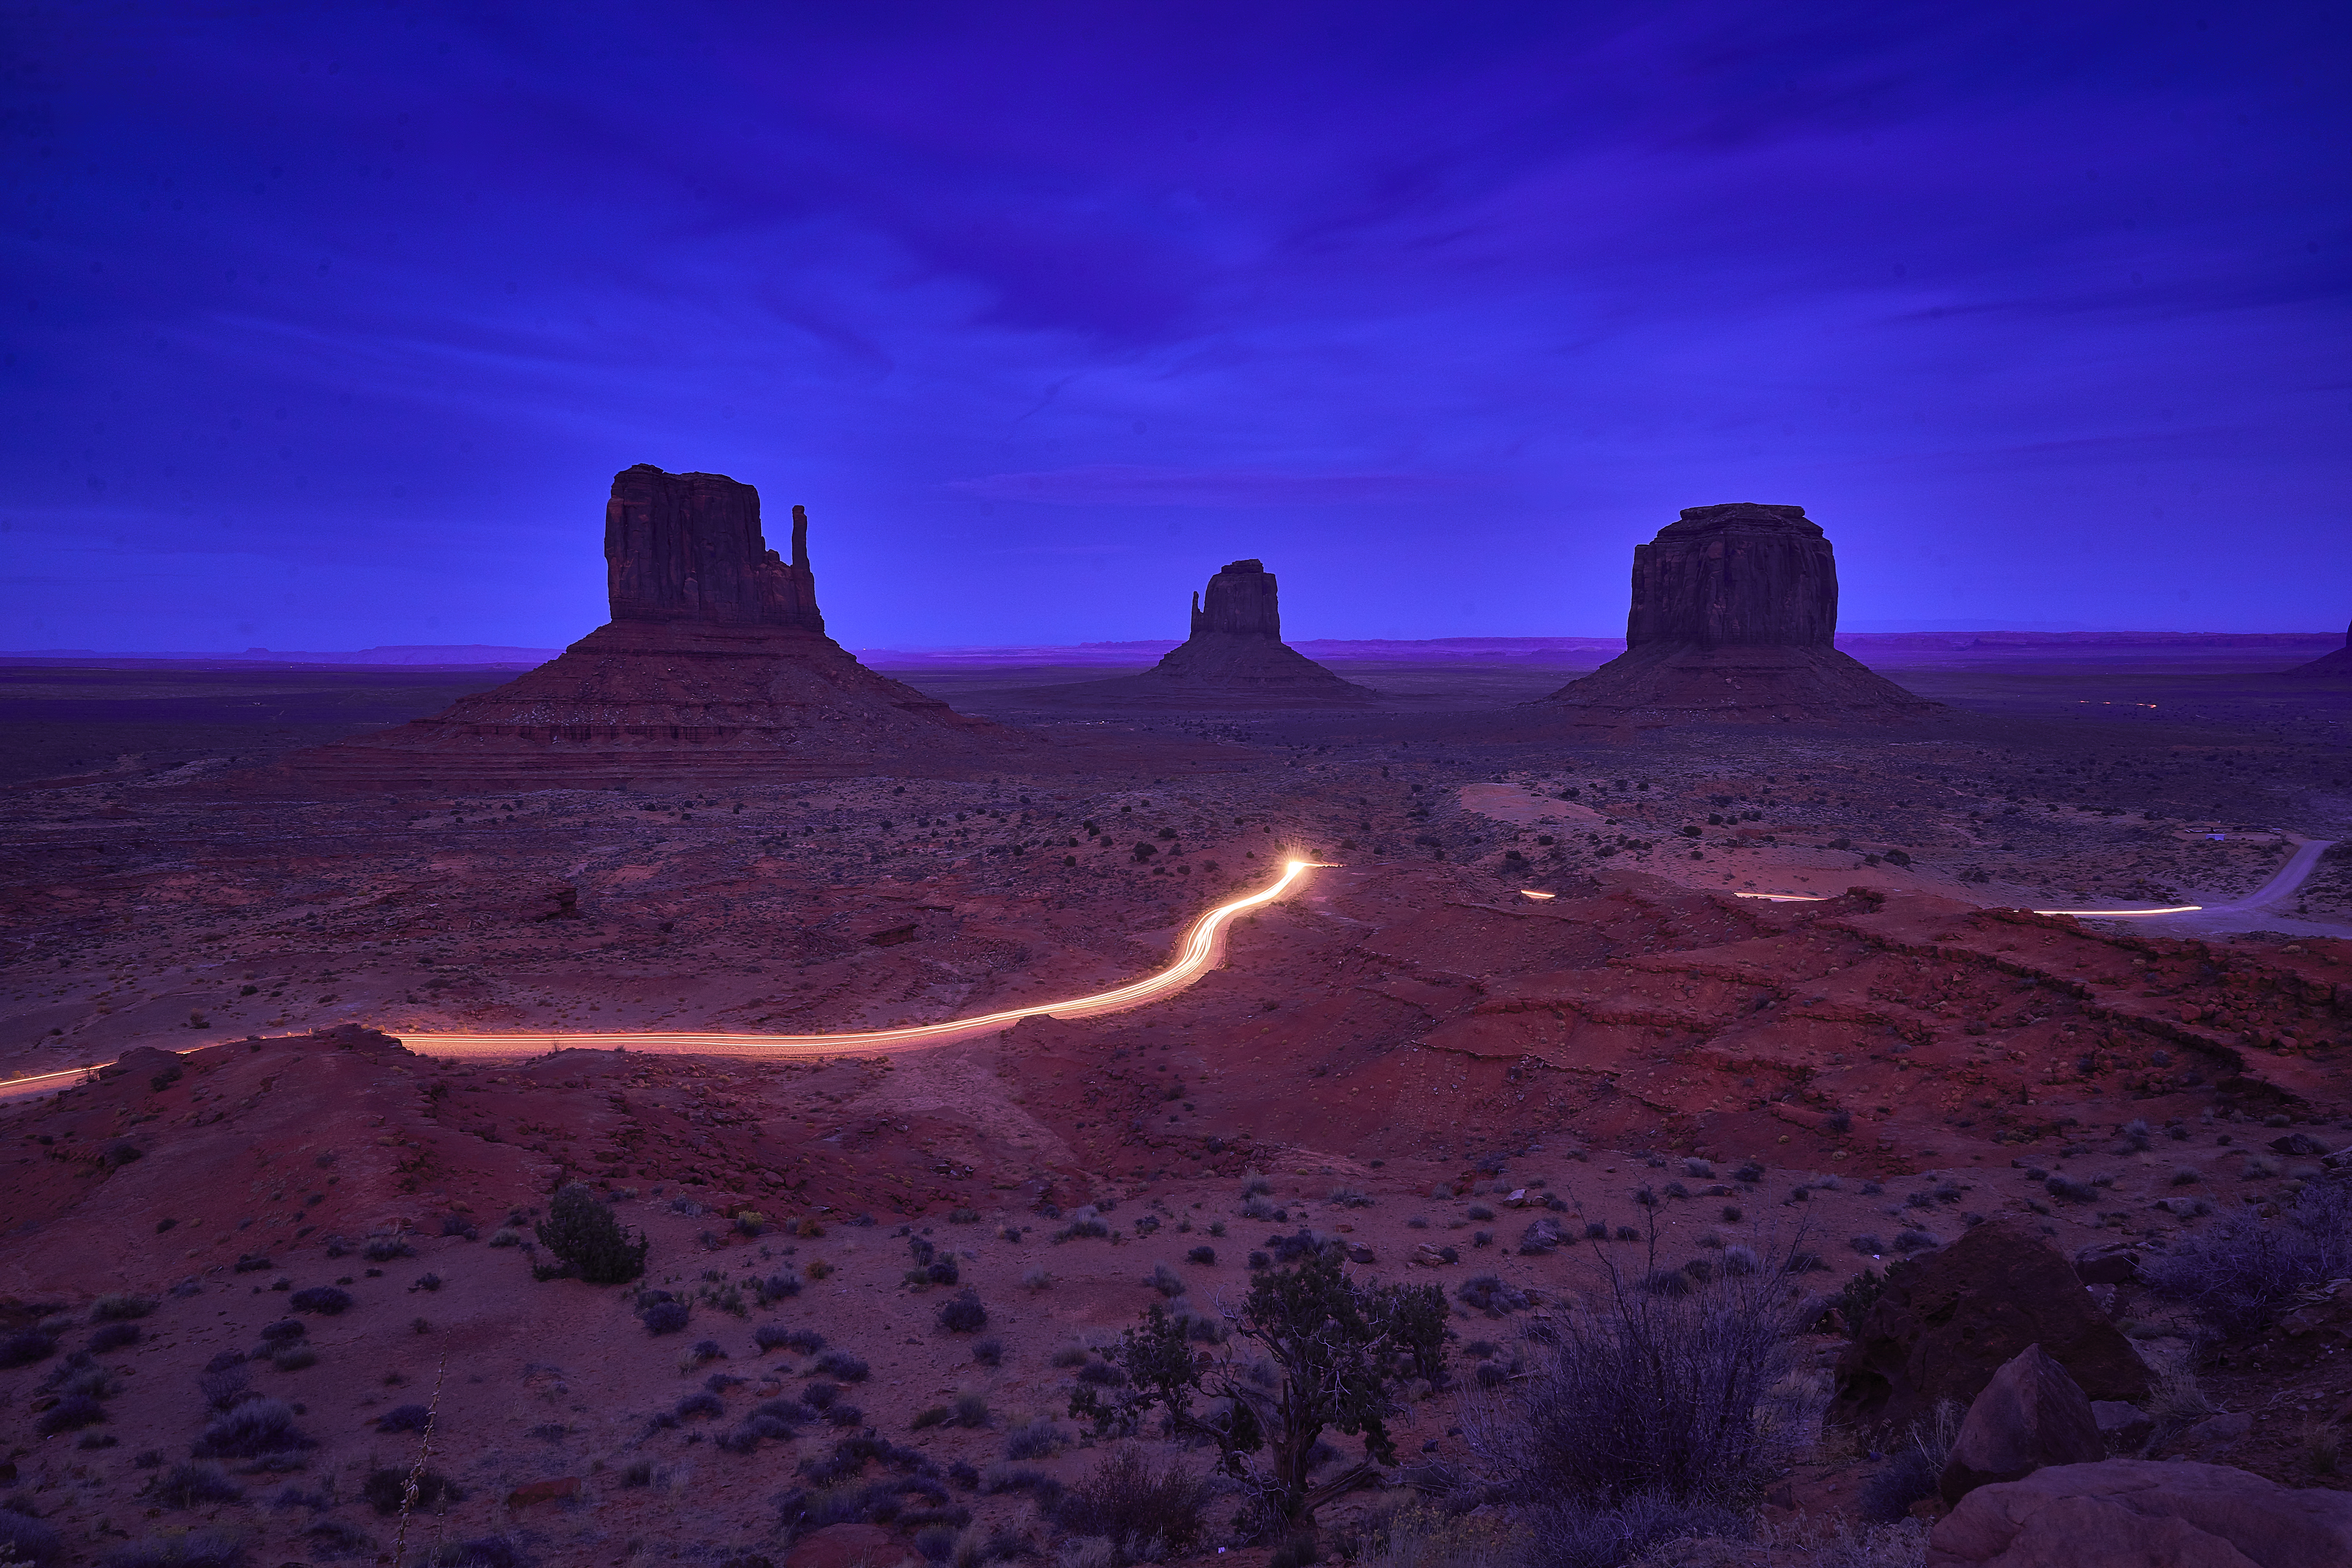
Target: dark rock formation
[(687, 548), (715, 666), (2131, 1513), (2337, 666), (1946, 1322), (2030, 1416), (1733, 610), (1234, 659)]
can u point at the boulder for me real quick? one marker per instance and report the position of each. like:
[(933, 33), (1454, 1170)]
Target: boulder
[(2135, 1513), (851, 1546), (1734, 607), (2121, 1425), (2030, 1414), (2216, 1433), (1946, 1321)]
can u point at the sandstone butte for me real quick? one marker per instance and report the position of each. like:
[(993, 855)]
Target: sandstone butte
[(1233, 657), (2337, 666), (714, 666), (1734, 607)]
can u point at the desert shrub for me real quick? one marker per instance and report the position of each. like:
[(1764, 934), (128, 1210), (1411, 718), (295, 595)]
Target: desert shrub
[(120, 1309), (188, 1485), (1146, 1511), (1577, 1533), (483, 1551), (971, 1410), (24, 1539), (935, 1416), (1681, 1399), (1164, 1279), (1913, 1241), (293, 1357), (587, 1241), (666, 1315), (963, 1314), (1014, 1477), (387, 1488), (1252, 1185), (709, 1350), (26, 1348), (333, 1539), (282, 1330), (836, 1364), (820, 1396), (251, 1429), (1035, 1439), (1857, 1295), (226, 1387), (113, 1337), (326, 1300), (403, 1418), (70, 1414), (2244, 1270), (385, 1248), (1914, 1465), (1206, 1256), (1868, 1245), (988, 1352), (1037, 1279), (197, 1549), (777, 1286), (1478, 1212), (1667, 1282), (701, 1403), (1338, 1353)]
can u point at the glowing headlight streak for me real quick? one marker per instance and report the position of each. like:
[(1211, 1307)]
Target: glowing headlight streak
[(2117, 914), (1199, 951)]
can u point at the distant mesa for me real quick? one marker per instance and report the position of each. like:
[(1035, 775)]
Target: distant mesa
[(1234, 659), (715, 670), (2337, 666), (1734, 609)]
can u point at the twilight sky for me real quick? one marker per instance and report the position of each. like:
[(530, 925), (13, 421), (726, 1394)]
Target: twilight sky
[(328, 325)]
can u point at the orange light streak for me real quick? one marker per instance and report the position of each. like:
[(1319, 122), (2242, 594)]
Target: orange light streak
[(1199, 953)]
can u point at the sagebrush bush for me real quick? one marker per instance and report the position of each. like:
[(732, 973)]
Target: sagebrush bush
[(1914, 1465), (120, 1309), (1035, 1439), (988, 1352), (403, 1418), (25, 1539), (1147, 1512), (26, 1348), (1682, 1398), (836, 1363), (587, 1241), (70, 1414), (666, 1315), (331, 1539), (326, 1300), (189, 1485), (2244, 1270), (251, 1429), (1165, 1281), (963, 1314), (197, 1549)]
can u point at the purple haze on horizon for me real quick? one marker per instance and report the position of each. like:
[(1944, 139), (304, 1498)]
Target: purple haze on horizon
[(330, 324)]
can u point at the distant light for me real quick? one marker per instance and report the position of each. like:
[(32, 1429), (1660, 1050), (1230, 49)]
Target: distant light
[(2114, 914), (1531, 893)]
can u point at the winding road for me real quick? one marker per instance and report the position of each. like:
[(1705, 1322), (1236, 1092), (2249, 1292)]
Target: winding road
[(1195, 957)]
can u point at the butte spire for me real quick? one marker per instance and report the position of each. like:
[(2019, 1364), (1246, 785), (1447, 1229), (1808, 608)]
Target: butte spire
[(1233, 657), (715, 668), (1733, 610)]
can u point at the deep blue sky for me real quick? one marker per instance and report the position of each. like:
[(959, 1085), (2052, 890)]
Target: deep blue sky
[(326, 325)]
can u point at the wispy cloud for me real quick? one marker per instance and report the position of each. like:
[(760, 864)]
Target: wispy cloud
[(1126, 484)]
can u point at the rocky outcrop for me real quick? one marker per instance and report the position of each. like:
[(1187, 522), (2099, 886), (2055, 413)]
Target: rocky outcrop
[(1234, 659), (2337, 666), (2130, 1513), (1734, 607), (1945, 1322), (2032, 1415), (687, 548), (715, 666)]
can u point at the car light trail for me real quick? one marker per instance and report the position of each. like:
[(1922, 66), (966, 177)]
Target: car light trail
[(1199, 950), (2117, 914)]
